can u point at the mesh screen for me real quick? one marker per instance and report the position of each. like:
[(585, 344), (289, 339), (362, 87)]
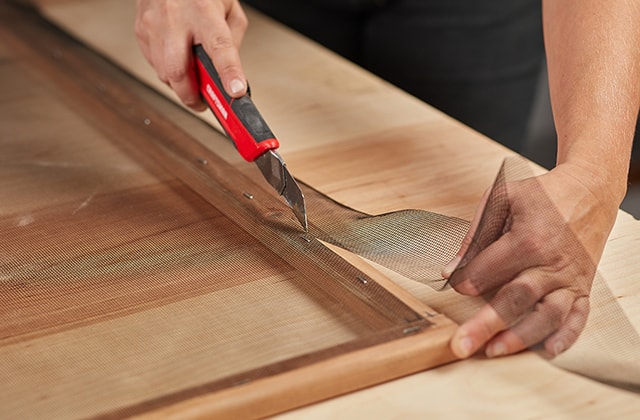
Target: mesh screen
[(107, 254), (418, 244), (414, 243), (121, 289)]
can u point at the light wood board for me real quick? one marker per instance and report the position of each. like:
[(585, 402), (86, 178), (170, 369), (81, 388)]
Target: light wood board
[(123, 292), (325, 111)]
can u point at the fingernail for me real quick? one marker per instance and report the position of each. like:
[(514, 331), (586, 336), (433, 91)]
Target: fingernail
[(496, 350), (465, 346), (558, 347), (449, 268), (236, 86)]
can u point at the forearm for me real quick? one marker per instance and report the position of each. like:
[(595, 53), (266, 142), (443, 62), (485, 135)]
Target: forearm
[(593, 52), (540, 270)]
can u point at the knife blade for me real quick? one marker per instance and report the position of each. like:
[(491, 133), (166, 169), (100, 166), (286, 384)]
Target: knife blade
[(251, 135)]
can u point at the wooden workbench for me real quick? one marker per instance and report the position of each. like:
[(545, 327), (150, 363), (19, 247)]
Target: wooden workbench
[(327, 113)]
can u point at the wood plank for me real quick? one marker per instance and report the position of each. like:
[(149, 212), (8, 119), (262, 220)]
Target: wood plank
[(447, 156), (103, 295)]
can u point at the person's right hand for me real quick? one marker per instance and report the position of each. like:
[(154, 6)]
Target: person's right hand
[(167, 30)]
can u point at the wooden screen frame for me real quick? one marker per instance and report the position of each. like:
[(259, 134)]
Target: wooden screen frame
[(94, 83)]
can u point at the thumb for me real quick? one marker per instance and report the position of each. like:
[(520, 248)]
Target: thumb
[(225, 57), (226, 60), (466, 242)]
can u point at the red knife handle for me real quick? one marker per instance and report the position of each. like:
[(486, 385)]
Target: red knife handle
[(239, 117)]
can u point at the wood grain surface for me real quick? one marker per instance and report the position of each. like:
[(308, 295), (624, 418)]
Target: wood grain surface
[(122, 291), (327, 113)]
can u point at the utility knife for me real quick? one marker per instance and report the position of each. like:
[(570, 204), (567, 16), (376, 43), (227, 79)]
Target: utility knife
[(250, 134)]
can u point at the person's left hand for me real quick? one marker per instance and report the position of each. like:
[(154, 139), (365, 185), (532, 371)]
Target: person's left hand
[(540, 268)]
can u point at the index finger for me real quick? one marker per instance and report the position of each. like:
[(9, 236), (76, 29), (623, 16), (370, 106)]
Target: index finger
[(179, 71)]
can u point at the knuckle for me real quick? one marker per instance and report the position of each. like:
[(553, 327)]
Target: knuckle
[(555, 311), (530, 246), (241, 22), (142, 24), (175, 73), (571, 335), (514, 300), (523, 296), (199, 4), (221, 42), (139, 29), (205, 8), (173, 7), (229, 69)]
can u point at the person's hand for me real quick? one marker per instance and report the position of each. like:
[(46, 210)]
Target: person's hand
[(539, 271), (167, 30)]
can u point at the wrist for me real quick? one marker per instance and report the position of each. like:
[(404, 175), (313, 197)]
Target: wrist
[(607, 184), (599, 162)]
